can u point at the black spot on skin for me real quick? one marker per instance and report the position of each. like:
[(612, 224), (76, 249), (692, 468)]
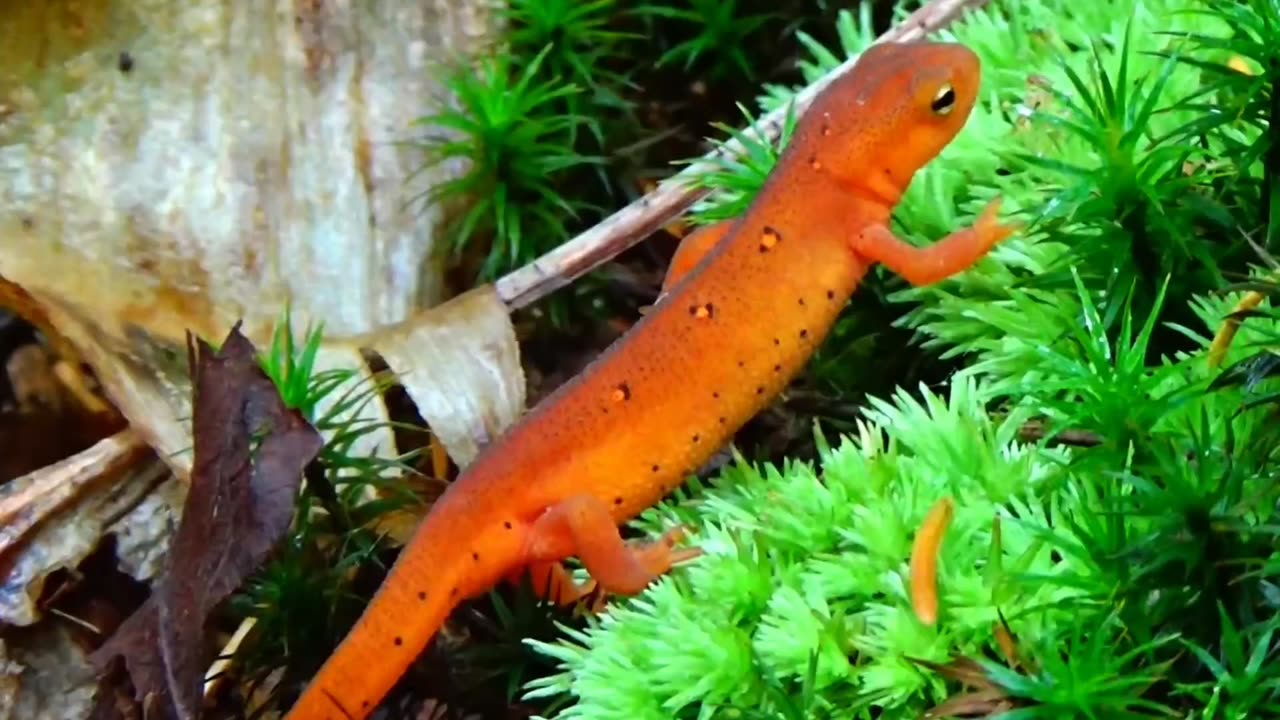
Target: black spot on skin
[(715, 395), (364, 703), (759, 389), (777, 368), (741, 364), (801, 301), (124, 62), (399, 641), (804, 333), (475, 556), (831, 294), (507, 524), (453, 592), (622, 392), (422, 595), (696, 438), (617, 500), (655, 468), (777, 341), (723, 421)]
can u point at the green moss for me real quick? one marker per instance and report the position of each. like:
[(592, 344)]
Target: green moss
[(720, 35), (806, 561), (514, 133)]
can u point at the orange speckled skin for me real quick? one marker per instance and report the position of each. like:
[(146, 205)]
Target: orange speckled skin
[(725, 339)]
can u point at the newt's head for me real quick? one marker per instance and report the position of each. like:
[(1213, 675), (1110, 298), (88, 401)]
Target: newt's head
[(898, 107)]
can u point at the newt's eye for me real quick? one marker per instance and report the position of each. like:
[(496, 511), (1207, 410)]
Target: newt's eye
[(944, 100)]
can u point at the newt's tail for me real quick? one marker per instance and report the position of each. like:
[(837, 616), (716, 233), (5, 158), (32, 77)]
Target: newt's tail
[(412, 604)]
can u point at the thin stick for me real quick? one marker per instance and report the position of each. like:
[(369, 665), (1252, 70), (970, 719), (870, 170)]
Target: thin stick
[(217, 672), (642, 217)]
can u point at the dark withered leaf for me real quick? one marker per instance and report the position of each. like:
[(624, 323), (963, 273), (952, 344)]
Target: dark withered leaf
[(987, 700), (980, 704), (240, 503)]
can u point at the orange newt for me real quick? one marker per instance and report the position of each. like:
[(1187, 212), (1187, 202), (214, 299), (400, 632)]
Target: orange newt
[(745, 305)]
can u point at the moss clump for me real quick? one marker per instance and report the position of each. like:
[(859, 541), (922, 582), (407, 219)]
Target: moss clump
[(811, 562)]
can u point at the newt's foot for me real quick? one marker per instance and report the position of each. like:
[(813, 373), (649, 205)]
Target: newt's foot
[(990, 229), (656, 557), (552, 582), (661, 555), (583, 526)]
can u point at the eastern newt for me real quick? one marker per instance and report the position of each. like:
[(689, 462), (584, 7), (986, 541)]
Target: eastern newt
[(743, 309)]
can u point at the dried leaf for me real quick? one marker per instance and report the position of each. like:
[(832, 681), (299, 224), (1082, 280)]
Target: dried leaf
[(240, 504), (460, 363), (45, 675), (55, 517), (964, 670), (979, 704), (986, 700)]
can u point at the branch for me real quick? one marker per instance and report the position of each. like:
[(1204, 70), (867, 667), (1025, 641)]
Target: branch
[(1035, 430), (643, 216)]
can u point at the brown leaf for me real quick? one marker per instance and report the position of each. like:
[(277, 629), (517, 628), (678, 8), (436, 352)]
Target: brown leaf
[(981, 704), (987, 699), (964, 670), (240, 504)]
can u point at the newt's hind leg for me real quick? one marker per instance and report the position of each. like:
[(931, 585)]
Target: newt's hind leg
[(552, 582), (583, 526)]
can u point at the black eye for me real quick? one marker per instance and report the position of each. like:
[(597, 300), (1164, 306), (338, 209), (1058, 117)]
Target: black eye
[(944, 100)]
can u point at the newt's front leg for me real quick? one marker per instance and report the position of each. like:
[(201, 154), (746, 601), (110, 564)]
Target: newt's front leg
[(583, 526), (939, 261)]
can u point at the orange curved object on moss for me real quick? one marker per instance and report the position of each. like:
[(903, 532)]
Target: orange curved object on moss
[(738, 321), (925, 553)]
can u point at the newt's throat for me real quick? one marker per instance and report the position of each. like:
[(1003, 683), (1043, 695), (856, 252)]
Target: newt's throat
[(880, 187)]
